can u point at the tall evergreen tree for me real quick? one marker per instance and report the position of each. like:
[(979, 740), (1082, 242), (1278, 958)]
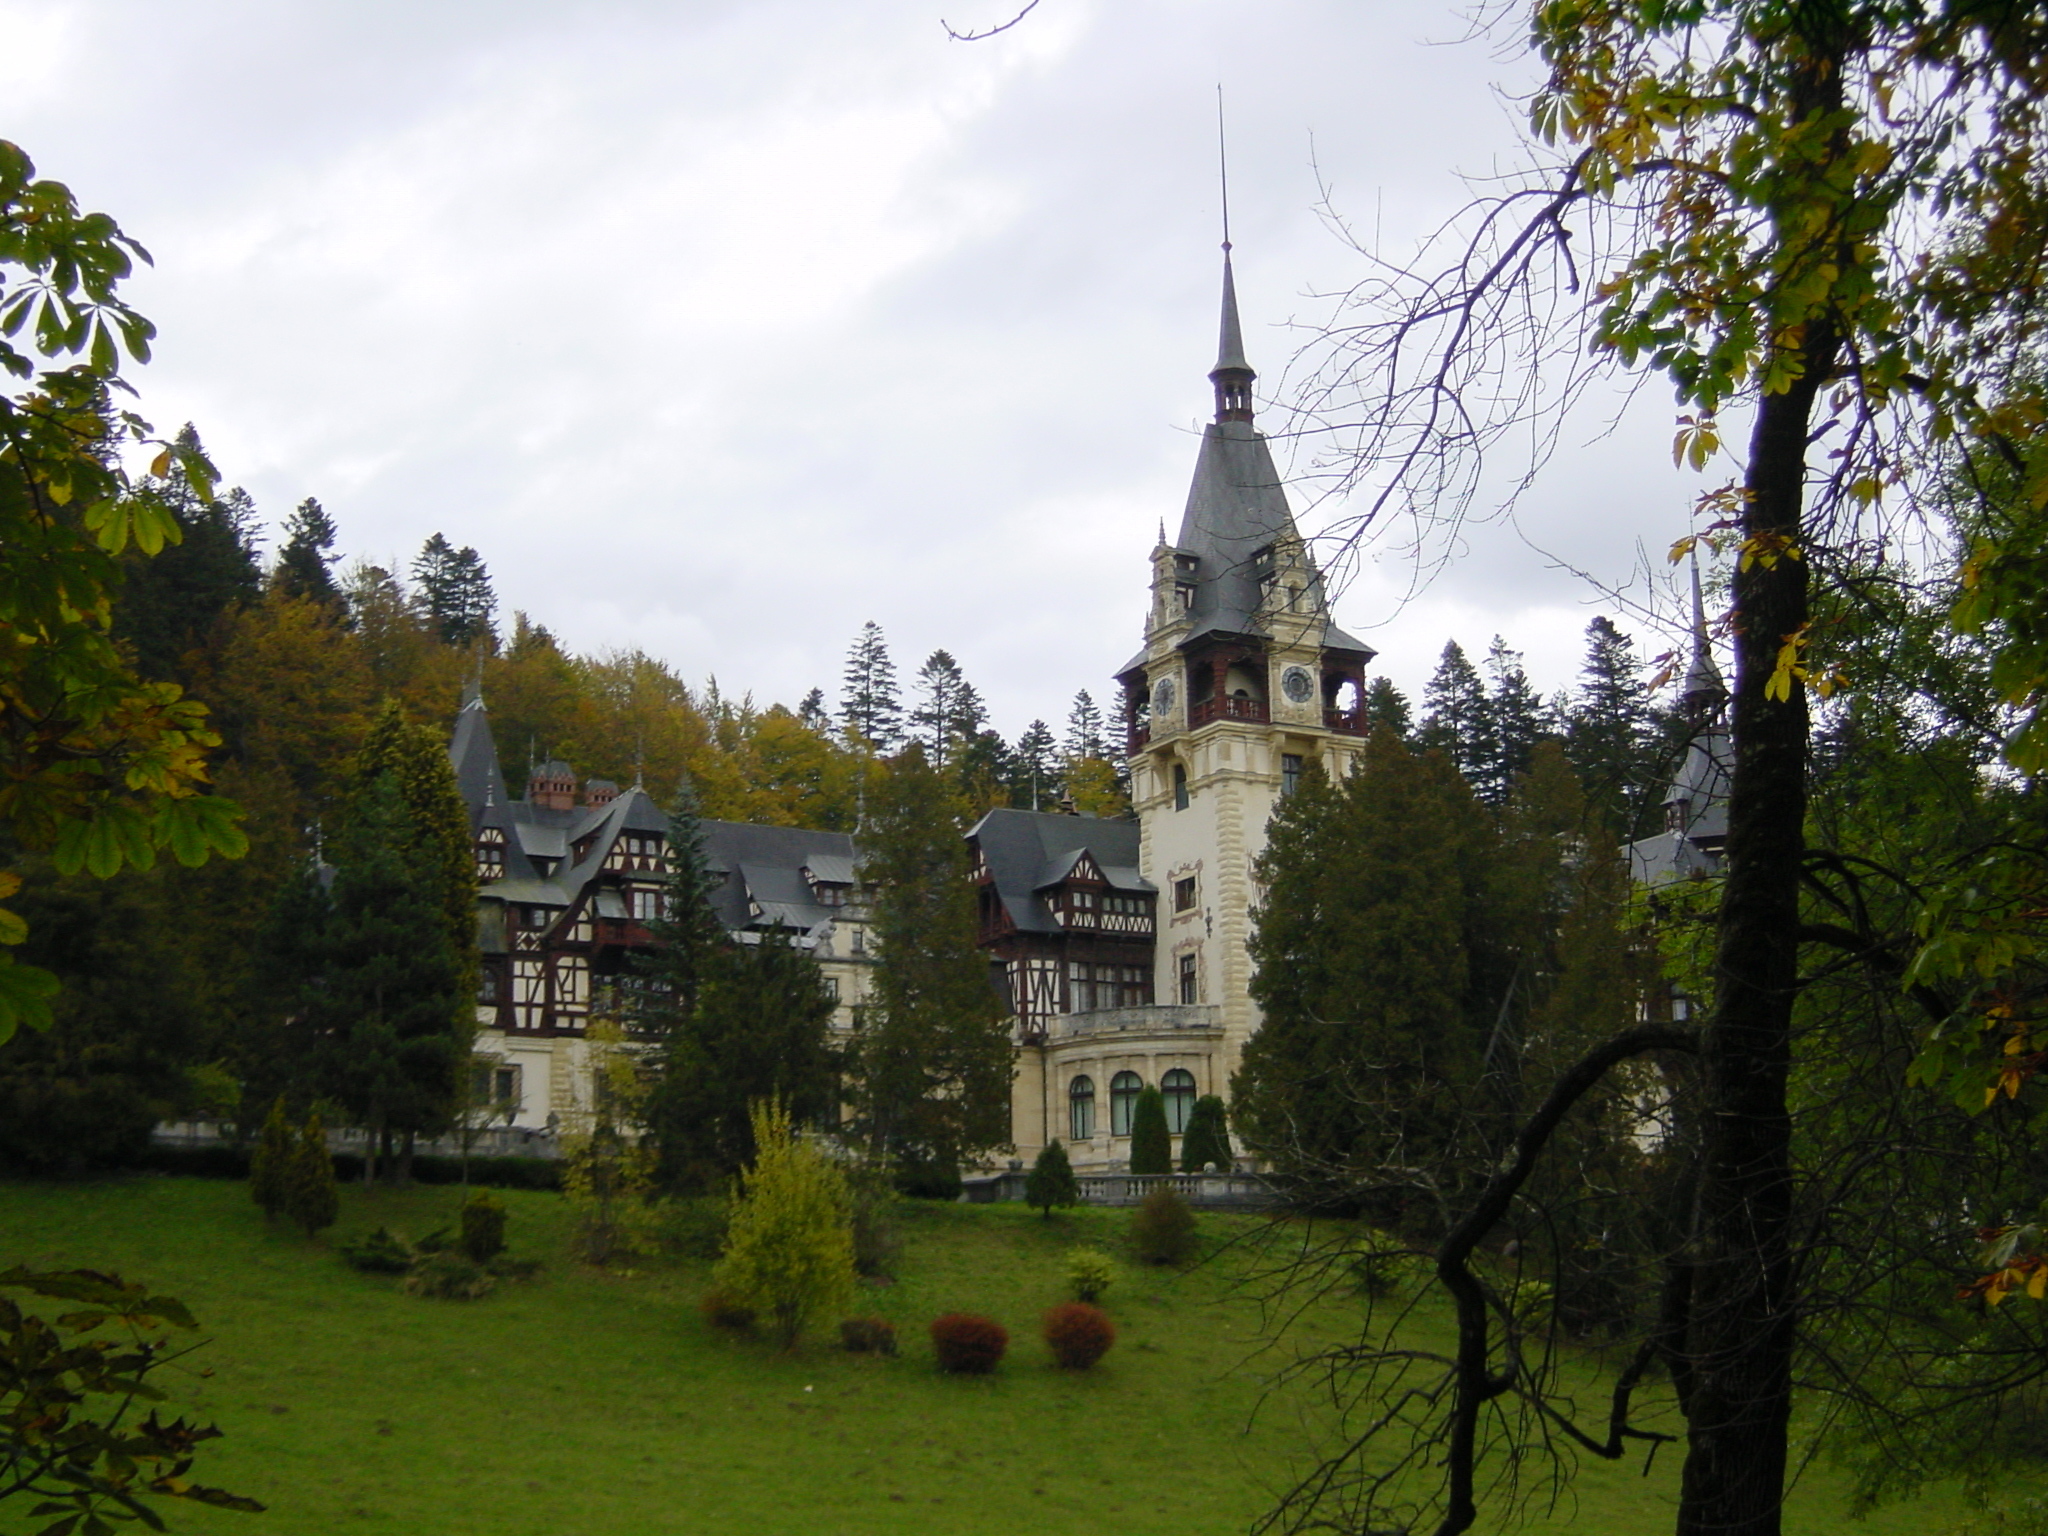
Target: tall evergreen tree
[(687, 933), (1034, 768), (1455, 720), (1386, 705), (869, 704), (1085, 736), (1611, 732), (931, 1060), (812, 712), (171, 602), (1368, 1045), (304, 563), (455, 590), (390, 1005), (949, 713), (1516, 721)]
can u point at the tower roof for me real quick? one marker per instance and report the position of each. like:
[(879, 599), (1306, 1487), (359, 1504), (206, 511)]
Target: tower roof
[(1230, 340)]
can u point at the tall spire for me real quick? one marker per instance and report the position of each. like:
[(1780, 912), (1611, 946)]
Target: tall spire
[(1704, 691), (1232, 375)]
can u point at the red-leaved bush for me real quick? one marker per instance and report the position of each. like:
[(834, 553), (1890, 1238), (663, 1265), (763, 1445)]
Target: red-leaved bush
[(1079, 1334), (967, 1344)]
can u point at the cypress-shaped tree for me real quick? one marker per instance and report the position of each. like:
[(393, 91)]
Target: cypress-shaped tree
[(1368, 1043), (1151, 1143), (1051, 1181), (270, 1163), (311, 1199), (1207, 1137), (930, 1064)]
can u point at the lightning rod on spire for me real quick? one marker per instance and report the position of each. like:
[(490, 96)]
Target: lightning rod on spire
[(1223, 165)]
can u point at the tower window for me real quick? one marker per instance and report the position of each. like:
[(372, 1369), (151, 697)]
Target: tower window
[(1180, 787), (1190, 983), (1184, 894), (1290, 773)]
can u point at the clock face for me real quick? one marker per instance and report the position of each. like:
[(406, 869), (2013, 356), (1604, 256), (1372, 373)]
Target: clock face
[(1296, 683), (1162, 696)]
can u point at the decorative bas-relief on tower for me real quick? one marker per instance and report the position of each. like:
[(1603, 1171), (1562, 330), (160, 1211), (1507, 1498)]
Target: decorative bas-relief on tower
[(1243, 682)]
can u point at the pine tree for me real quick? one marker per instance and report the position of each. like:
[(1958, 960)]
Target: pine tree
[(788, 1250), (1207, 1137), (813, 714), (311, 1198), (1386, 705), (1516, 719), (304, 563), (455, 590), (1151, 1142), (869, 705), (1085, 737), (1455, 720), (949, 712), (392, 1004), (1363, 975), (270, 1162), (1610, 732), (1034, 768), (1051, 1181), (688, 936), (761, 1029), (931, 1060)]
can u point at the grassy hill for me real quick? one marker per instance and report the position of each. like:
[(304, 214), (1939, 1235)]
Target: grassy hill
[(587, 1404)]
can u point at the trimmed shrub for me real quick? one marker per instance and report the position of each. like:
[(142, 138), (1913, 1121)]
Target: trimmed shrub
[(789, 1247), (1078, 1334), (1207, 1137), (721, 1309), (311, 1198), (382, 1252), (868, 1336), (270, 1164), (1151, 1144), (968, 1345), (483, 1227), (1163, 1228), (449, 1277), (1052, 1181), (1089, 1273)]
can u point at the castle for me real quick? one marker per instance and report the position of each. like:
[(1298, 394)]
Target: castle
[(1120, 945)]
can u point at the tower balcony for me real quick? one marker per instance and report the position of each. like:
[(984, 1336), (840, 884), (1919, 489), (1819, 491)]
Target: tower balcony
[(1228, 707), (1350, 722)]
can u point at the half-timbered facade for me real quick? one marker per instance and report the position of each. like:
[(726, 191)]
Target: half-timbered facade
[(569, 877)]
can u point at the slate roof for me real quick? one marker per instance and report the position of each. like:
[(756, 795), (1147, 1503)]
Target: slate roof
[(1027, 851), (764, 869)]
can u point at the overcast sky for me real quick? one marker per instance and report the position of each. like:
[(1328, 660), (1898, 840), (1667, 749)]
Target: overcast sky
[(720, 327)]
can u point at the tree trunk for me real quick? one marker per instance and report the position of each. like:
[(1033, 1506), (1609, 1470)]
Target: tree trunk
[(1741, 1308)]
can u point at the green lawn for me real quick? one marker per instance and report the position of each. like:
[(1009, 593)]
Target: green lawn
[(584, 1404)]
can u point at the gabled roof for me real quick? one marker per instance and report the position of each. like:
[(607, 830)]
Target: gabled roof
[(763, 868), (1026, 852)]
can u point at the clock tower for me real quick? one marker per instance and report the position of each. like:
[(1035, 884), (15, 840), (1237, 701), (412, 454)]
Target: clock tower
[(1243, 682)]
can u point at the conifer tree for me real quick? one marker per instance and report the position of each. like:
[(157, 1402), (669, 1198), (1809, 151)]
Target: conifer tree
[(869, 705), (1207, 1137), (949, 713), (1386, 705), (687, 933), (931, 1060), (304, 562), (1085, 736), (271, 1161), (1034, 768), (1051, 1181), (1516, 720), (1610, 732), (812, 712), (788, 1250), (311, 1198), (1151, 1142), (1455, 720), (455, 590), (1362, 973)]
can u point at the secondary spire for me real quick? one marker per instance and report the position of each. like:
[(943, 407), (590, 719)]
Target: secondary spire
[(1232, 375)]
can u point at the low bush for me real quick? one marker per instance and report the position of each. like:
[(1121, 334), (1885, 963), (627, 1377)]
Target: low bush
[(1078, 1334), (1163, 1228), (483, 1227), (868, 1336), (725, 1311), (873, 1208), (382, 1252), (694, 1227), (1051, 1181), (449, 1277), (1090, 1272), (968, 1345)]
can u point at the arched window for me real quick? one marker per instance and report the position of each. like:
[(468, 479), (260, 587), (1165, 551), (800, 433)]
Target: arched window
[(1124, 1089), (1081, 1109), (1180, 787), (1178, 1089)]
